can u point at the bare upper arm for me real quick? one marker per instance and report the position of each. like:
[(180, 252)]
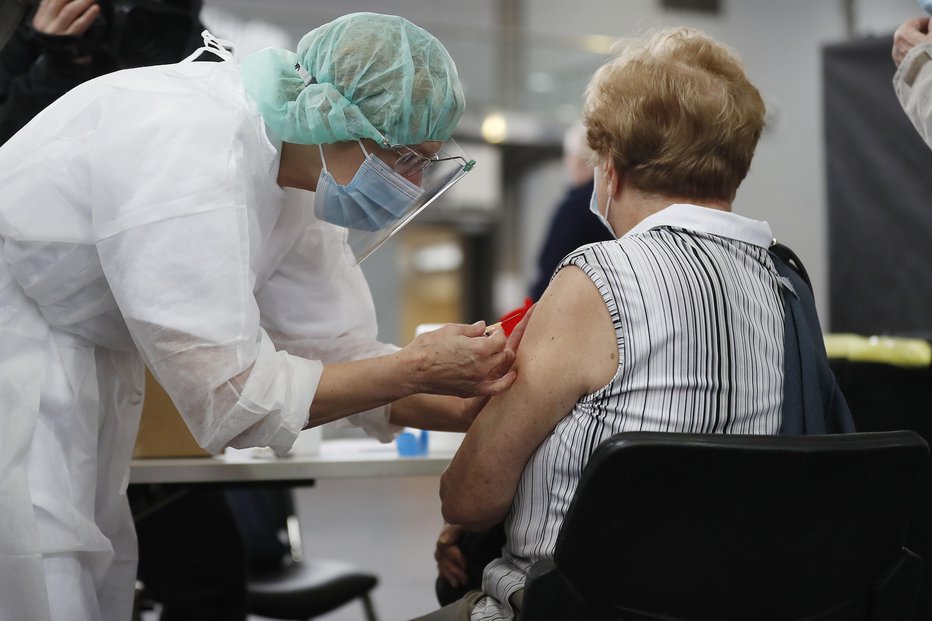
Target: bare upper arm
[(569, 350)]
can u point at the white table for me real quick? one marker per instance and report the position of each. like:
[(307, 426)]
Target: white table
[(338, 459)]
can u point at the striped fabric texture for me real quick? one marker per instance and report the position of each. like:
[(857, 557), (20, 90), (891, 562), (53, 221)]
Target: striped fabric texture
[(698, 320)]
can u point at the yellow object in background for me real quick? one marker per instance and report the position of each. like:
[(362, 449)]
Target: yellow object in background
[(898, 351)]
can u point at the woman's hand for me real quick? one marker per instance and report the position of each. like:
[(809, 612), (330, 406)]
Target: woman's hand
[(911, 33), (65, 17), (451, 563), (460, 360)]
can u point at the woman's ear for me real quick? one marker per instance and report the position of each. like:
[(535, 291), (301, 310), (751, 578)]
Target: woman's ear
[(613, 179)]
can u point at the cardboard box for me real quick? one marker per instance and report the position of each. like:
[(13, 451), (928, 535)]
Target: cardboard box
[(162, 432)]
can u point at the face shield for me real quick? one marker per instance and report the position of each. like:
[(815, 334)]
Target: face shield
[(428, 178)]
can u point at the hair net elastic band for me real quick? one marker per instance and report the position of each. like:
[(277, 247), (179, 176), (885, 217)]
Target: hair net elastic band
[(304, 75)]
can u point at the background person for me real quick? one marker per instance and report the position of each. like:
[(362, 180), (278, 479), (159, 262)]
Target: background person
[(913, 79), (63, 43), (676, 325), (572, 224), (176, 232)]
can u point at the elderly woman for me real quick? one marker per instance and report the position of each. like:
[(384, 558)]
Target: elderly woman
[(161, 217), (674, 325)]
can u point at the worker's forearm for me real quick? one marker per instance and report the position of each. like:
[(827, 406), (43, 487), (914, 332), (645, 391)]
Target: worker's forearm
[(434, 412), (348, 388), (458, 360)]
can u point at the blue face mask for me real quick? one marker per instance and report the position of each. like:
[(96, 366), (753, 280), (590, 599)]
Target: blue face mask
[(925, 5), (375, 197), (594, 204)]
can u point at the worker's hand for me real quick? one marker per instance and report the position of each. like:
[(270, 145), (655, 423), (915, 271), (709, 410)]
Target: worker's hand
[(451, 563), (911, 33), (472, 407), (65, 17), (460, 360), (514, 339)]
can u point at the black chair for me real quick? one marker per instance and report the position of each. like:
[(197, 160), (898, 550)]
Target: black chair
[(282, 584), (702, 527), (885, 397)]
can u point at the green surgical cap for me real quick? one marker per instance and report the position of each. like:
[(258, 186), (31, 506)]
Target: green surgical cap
[(370, 76)]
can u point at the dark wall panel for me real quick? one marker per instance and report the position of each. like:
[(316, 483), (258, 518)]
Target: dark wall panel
[(879, 181), (704, 6)]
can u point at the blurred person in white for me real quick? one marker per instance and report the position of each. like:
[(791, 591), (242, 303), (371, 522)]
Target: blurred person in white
[(676, 324), (162, 217), (912, 53)]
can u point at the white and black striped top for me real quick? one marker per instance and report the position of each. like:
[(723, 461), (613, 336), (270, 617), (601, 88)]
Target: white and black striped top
[(698, 316)]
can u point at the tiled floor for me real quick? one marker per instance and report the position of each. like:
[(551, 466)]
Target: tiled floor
[(385, 525)]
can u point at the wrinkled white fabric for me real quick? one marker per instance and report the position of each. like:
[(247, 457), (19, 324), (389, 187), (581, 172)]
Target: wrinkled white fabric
[(141, 222), (913, 85)]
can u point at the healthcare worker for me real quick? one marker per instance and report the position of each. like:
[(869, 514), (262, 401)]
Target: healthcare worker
[(160, 217)]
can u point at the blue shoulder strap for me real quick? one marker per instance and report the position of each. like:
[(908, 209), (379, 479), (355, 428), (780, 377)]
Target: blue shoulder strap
[(812, 401)]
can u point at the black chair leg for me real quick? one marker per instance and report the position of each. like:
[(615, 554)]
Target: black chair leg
[(367, 606)]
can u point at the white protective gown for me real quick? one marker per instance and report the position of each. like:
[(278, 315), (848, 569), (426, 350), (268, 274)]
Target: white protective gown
[(141, 223)]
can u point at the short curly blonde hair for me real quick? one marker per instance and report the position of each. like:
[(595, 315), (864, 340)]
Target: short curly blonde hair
[(677, 115)]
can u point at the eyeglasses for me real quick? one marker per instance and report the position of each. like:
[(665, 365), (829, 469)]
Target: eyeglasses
[(411, 162)]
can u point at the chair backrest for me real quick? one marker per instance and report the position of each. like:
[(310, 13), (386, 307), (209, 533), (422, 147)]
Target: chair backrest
[(885, 397), (683, 526)]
